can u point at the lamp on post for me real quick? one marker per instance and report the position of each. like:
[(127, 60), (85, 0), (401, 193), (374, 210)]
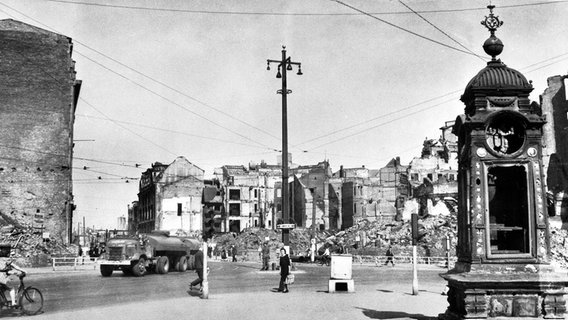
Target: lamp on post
[(284, 65)]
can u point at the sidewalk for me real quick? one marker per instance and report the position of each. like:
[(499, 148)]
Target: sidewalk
[(370, 301)]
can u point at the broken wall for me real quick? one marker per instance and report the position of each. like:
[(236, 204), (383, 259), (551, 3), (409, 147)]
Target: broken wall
[(38, 93)]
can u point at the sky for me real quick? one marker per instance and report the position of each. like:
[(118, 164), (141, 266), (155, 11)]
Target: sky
[(168, 78)]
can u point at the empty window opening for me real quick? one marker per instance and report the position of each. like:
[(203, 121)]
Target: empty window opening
[(508, 210), (234, 209), (235, 194)]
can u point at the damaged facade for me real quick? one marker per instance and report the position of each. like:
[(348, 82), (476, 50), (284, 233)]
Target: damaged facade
[(437, 164), (38, 94), (310, 197), (170, 197), (371, 194), (554, 104), (240, 197), (249, 195)]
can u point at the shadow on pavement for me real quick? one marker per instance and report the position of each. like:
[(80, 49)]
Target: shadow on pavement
[(386, 291), (374, 314), (410, 294), (194, 293)]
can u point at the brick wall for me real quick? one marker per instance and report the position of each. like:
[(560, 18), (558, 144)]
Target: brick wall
[(37, 105)]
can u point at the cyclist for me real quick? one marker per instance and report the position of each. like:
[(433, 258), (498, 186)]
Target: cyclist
[(9, 273)]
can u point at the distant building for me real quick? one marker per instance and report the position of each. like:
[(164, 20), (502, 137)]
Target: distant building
[(170, 197), (38, 97), (249, 195), (310, 196), (438, 164), (394, 179), (370, 193), (554, 104), (132, 217)]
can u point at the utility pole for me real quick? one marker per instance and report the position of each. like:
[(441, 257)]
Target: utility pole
[(286, 65), (313, 227)]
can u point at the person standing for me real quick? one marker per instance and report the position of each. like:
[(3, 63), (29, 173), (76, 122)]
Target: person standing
[(265, 256), (389, 256), (284, 270), (199, 270), (234, 253)]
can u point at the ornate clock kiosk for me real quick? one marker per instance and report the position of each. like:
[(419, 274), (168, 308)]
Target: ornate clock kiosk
[(503, 249)]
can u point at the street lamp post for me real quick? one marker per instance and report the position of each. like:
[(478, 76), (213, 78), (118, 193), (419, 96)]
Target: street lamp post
[(286, 65)]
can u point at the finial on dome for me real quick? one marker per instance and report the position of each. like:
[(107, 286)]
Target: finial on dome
[(492, 46)]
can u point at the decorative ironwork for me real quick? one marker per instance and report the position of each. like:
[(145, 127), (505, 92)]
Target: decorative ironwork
[(492, 22)]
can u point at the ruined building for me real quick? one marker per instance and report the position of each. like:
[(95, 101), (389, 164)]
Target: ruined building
[(170, 197), (369, 193), (438, 164), (554, 104), (38, 97), (249, 195), (310, 197)]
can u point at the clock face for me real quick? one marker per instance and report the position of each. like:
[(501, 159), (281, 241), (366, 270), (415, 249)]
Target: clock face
[(505, 134)]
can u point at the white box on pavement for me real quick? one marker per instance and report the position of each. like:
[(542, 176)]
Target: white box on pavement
[(341, 266)]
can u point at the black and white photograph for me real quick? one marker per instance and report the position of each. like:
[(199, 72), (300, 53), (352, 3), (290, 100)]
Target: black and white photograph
[(283, 159)]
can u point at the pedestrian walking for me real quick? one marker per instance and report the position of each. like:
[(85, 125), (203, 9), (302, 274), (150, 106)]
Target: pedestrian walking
[(234, 253), (284, 270), (80, 254), (198, 270), (265, 256), (216, 253), (209, 251), (389, 256)]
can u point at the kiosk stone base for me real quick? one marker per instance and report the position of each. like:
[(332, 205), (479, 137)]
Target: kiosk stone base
[(492, 295)]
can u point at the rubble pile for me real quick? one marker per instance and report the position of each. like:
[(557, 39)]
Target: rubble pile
[(365, 238), (30, 249), (373, 238), (558, 247), (249, 239)]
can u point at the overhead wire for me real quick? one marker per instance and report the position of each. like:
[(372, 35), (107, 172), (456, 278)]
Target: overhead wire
[(173, 102), (227, 12), (442, 31), (127, 129), (376, 118), (402, 28), (381, 124), (433, 11), (172, 131), (153, 91)]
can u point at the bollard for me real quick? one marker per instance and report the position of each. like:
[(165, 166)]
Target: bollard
[(273, 266)]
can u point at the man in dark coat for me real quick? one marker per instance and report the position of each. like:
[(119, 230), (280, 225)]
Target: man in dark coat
[(198, 269), (234, 253), (284, 270)]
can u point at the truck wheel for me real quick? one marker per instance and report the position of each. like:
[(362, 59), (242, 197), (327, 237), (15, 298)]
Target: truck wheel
[(139, 269), (182, 264), (106, 271), (163, 265)]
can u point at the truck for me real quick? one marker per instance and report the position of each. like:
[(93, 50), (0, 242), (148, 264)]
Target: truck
[(156, 251)]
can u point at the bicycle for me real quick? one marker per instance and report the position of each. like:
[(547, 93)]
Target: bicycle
[(28, 299), (325, 260)]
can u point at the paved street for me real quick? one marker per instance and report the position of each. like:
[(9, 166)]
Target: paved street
[(241, 291)]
